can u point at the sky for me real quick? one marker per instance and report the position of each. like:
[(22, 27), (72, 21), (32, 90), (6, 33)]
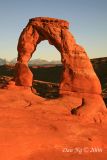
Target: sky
[(87, 18)]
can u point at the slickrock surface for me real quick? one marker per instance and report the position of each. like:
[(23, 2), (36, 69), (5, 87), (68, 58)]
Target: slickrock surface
[(33, 128)]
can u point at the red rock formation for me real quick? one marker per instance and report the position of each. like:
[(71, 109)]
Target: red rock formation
[(78, 74)]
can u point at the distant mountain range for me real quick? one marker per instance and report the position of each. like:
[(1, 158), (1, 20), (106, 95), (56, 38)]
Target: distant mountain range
[(31, 62), (40, 62), (2, 61)]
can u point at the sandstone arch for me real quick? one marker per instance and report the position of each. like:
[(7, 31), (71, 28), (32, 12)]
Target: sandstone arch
[(78, 74)]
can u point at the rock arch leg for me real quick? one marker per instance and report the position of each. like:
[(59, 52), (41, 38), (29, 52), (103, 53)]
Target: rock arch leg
[(26, 46), (78, 75)]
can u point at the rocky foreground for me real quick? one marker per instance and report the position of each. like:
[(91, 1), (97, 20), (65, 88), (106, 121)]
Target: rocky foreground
[(34, 128)]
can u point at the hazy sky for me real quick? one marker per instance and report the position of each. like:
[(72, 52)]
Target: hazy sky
[(88, 24)]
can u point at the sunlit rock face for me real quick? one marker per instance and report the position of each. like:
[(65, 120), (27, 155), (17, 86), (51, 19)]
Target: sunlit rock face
[(78, 74)]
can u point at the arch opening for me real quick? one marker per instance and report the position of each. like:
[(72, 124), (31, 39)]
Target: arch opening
[(47, 69), (46, 51)]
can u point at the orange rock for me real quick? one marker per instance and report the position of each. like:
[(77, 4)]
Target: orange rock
[(78, 74), (24, 76)]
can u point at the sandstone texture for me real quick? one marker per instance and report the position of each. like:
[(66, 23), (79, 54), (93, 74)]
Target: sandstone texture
[(78, 74), (33, 128)]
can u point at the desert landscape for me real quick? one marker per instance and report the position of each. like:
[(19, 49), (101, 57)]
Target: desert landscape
[(53, 111), (47, 84)]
